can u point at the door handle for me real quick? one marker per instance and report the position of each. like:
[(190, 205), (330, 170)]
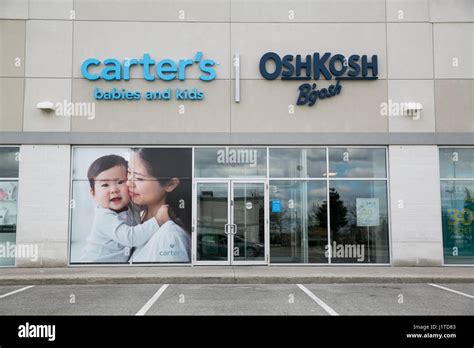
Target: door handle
[(233, 229), (226, 228)]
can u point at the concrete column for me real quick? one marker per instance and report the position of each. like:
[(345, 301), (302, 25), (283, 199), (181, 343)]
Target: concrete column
[(415, 206), (43, 203)]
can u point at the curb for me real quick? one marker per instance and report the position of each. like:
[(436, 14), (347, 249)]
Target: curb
[(227, 280)]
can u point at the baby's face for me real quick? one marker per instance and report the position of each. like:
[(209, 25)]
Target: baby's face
[(110, 188)]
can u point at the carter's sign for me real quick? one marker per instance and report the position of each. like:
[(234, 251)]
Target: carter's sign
[(112, 69), (315, 67)]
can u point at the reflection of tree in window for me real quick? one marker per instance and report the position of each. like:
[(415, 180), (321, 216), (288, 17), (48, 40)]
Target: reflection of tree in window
[(314, 217), (338, 211)]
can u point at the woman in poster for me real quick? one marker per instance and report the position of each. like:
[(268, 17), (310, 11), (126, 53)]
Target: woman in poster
[(154, 184)]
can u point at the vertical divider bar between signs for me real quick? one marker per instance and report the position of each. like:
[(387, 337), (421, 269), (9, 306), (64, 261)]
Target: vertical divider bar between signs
[(237, 77)]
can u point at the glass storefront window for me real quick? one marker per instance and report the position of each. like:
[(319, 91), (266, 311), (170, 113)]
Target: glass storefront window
[(457, 204), (230, 162), (297, 163), (316, 162), (9, 165), (287, 163), (9, 160), (357, 163), (313, 217), (358, 209), (359, 221), (456, 162), (298, 227)]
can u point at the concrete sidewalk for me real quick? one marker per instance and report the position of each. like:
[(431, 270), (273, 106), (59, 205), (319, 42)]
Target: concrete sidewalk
[(234, 275)]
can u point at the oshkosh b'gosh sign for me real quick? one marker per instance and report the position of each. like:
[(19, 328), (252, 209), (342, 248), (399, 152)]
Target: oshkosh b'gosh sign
[(317, 66)]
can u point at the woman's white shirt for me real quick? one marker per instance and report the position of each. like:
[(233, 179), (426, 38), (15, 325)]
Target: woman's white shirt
[(170, 243)]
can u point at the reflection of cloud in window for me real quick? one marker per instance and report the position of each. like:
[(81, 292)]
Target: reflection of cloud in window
[(462, 167), (284, 154), (360, 172), (349, 191), (373, 159), (9, 163), (316, 155), (285, 162), (336, 155), (207, 166), (320, 192), (290, 162), (345, 188)]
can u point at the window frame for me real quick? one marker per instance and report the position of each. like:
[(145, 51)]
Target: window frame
[(441, 201), (17, 181)]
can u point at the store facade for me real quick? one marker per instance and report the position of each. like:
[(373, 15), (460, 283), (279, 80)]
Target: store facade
[(304, 133)]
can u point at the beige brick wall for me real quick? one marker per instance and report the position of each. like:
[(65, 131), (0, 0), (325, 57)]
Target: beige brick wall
[(43, 203), (415, 206), (424, 46)]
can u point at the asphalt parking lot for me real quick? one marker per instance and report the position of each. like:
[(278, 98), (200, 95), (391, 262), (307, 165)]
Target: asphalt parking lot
[(239, 299)]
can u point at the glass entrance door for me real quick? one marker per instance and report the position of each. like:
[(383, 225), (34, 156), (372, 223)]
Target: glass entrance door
[(248, 222), (211, 242), (230, 223)]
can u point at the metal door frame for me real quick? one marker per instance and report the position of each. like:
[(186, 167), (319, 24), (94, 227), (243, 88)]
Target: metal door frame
[(230, 220), (265, 219)]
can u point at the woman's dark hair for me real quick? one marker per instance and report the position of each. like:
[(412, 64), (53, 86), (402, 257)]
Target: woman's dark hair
[(165, 164), (102, 164)]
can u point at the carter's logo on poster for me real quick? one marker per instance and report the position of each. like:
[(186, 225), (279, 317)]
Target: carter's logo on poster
[(316, 67)]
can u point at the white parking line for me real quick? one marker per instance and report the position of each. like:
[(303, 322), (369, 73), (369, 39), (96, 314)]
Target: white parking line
[(152, 300), (318, 300), (448, 289), (16, 291)]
